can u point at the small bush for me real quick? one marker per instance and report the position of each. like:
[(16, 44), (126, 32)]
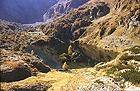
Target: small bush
[(137, 58), (98, 81), (135, 49), (126, 57), (118, 67), (111, 70), (132, 76), (117, 78)]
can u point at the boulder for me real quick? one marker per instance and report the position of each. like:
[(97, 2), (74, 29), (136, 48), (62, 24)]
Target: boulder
[(20, 72), (40, 86), (40, 66)]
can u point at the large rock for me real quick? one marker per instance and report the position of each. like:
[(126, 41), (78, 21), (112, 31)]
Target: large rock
[(40, 66), (30, 87), (14, 73)]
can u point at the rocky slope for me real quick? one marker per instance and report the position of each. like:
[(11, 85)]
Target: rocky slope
[(108, 24), (71, 26), (118, 30), (62, 7), (24, 11), (112, 25)]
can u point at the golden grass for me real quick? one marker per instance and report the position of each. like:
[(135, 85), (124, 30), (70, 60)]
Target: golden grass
[(11, 64)]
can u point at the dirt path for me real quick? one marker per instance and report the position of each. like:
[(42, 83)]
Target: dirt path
[(56, 78)]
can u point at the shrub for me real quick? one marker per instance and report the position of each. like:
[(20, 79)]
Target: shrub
[(126, 57), (137, 58), (98, 81), (135, 49), (118, 67), (132, 76), (111, 70)]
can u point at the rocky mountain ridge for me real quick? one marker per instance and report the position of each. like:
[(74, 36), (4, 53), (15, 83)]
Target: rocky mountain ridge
[(37, 11), (71, 26), (62, 7), (85, 24), (24, 11)]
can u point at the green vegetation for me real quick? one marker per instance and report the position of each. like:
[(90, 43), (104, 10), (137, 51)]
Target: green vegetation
[(132, 76), (135, 49), (129, 75), (126, 57), (111, 70), (119, 67), (99, 81), (137, 57), (130, 57)]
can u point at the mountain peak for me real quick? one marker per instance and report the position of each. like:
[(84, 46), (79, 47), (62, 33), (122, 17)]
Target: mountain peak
[(24, 11), (62, 7)]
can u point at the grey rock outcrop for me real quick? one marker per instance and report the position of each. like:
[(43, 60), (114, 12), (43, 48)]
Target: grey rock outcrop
[(62, 7), (96, 87), (40, 86)]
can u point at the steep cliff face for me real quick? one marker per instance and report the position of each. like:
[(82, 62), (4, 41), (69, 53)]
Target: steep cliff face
[(62, 6), (24, 11)]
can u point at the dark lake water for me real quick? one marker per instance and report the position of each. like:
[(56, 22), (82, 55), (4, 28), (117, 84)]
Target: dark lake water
[(48, 60), (92, 55)]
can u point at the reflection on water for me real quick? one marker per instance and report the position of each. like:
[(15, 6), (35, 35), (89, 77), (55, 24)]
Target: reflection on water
[(46, 58), (89, 55)]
